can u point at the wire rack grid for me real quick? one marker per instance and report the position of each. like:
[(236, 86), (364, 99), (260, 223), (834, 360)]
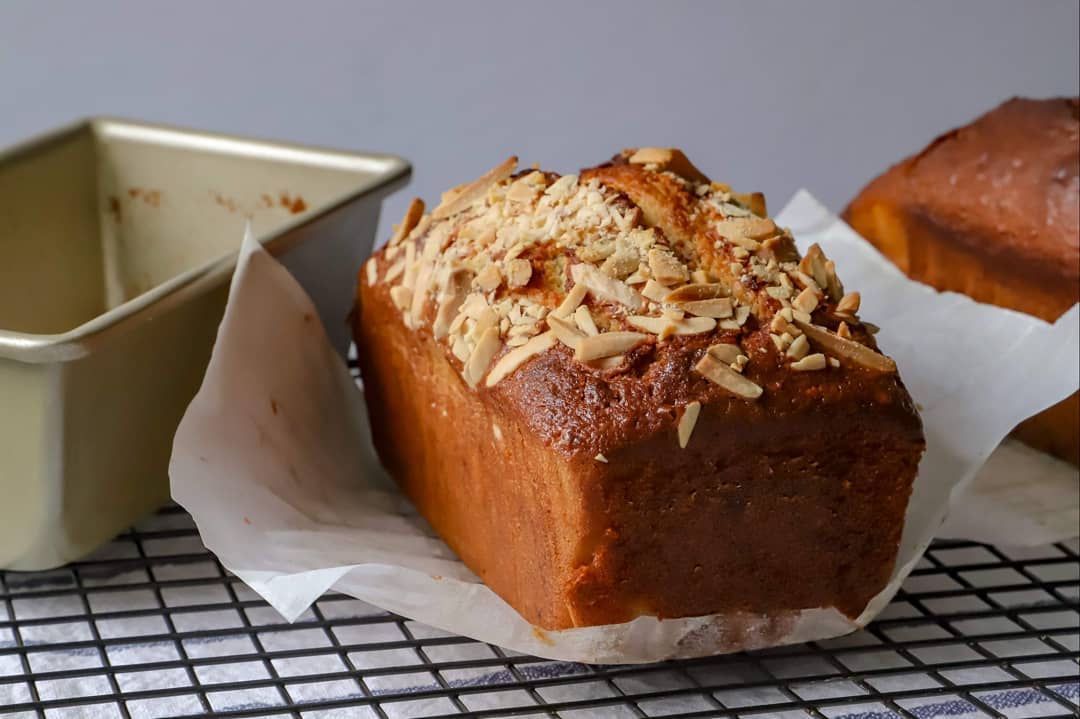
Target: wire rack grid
[(152, 626)]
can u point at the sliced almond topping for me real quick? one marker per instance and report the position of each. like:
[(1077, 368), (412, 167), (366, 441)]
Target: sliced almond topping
[(719, 308), (846, 349), (809, 363), (755, 201), (410, 265), (475, 189), (699, 277), (673, 313), (778, 292), (670, 159), (799, 347), (721, 374), (621, 264), (799, 316), (518, 356), (666, 269), (481, 356), (460, 348), (420, 290), (666, 327), (516, 340), (372, 269), (607, 345), (571, 301), (605, 363), (567, 333), (395, 271), (813, 264), (695, 293), (601, 458), (518, 273), (412, 218), (523, 190), (604, 287), (778, 323), (474, 306), (843, 331), (740, 362), (805, 281), (726, 353), (778, 342), (849, 303), (655, 291), (401, 297), (585, 321), (832, 285), (833, 362), (488, 319), (421, 227), (687, 422), (489, 278), (806, 301), (759, 229)]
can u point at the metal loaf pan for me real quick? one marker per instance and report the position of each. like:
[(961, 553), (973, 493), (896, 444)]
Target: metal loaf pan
[(117, 241)]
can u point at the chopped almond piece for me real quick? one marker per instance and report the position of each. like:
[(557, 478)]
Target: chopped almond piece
[(759, 229), (489, 278), (519, 356), (843, 331), (721, 374), (666, 269), (412, 217), (607, 345), (809, 363), (670, 159), (833, 286), (401, 297), (655, 291), (605, 287), (799, 347), (754, 201), (687, 422), (450, 301), (372, 269), (518, 273), (806, 301), (846, 349), (849, 303)]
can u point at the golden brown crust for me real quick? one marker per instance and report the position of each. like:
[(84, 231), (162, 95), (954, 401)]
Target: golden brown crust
[(557, 459), (991, 210)]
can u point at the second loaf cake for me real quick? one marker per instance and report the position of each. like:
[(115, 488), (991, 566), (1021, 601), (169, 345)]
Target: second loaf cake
[(624, 393)]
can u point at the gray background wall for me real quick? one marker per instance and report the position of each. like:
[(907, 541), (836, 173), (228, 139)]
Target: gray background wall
[(763, 94)]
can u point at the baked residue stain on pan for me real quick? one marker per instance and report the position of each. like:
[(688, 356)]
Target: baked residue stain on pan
[(542, 636), (150, 197), (115, 209), (294, 204)]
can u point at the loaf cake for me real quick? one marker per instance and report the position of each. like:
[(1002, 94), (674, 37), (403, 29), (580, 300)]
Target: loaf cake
[(991, 210), (624, 393)]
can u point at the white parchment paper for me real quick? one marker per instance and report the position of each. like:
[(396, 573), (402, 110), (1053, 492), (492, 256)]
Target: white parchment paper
[(274, 462)]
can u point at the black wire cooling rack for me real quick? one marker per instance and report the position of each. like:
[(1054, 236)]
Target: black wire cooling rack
[(151, 626)]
